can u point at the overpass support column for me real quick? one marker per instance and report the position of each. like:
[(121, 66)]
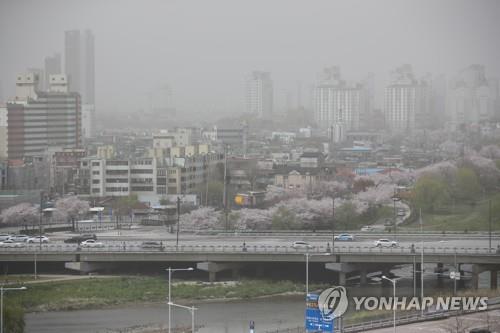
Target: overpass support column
[(342, 279), (418, 272), (494, 279), (213, 268), (475, 276), (362, 277), (440, 271)]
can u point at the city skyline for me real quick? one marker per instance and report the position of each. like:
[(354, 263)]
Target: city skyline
[(436, 41)]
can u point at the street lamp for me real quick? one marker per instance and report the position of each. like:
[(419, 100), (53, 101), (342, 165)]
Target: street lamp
[(170, 271), (307, 254), (191, 309), (2, 290), (393, 281)]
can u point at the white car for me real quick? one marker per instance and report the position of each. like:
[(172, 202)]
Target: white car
[(4, 237), (11, 243), (302, 245), (385, 243), (367, 228), (19, 238), (37, 239), (91, 243)]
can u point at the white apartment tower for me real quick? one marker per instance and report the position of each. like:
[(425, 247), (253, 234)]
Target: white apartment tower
[(259, 94), (472, 96), (407, 101), (337, 103)]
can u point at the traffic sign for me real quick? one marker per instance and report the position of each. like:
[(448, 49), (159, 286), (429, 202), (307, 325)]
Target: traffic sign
[(455, 275), (314, 321)]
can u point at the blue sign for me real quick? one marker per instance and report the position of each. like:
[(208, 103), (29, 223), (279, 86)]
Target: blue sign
[(314, 320)]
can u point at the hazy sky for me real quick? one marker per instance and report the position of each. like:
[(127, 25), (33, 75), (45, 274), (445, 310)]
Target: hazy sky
[(204, 48)]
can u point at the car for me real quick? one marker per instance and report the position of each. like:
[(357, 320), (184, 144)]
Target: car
[(80, 238), (19, 238), (151, 245), (367, 228), (11, 243), (385, 243), (36, 239), (301, 245), (4, 237), (344, 237), (91, 243)]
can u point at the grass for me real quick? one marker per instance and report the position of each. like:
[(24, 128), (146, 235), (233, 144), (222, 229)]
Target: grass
[(98, 293), (460, 217)]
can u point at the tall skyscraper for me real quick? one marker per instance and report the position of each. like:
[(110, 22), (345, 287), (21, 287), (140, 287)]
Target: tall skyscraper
[(38, 120), (88, 72), (407, 101), (259, 94), (52, 67), (337, 103), (79, 63), (473, 97), (72, 59)]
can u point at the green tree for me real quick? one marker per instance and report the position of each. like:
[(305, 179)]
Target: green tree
[(467, 184), (124, 205), (430, 193), (345, 215), (284, 219), (212, 193)]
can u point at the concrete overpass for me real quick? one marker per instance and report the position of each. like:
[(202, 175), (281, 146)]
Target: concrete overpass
[(344, 260)]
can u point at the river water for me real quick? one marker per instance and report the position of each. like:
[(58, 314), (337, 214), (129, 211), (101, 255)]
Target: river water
[(218, 317)]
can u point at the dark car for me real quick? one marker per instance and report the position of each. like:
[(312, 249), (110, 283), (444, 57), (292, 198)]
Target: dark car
[(152, 245), (479, 330), (80, 238)]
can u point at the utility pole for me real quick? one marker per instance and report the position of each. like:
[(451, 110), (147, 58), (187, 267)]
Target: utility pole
[(224, 194), (178, 221), (333, 223), (489, 228), (421, 262)]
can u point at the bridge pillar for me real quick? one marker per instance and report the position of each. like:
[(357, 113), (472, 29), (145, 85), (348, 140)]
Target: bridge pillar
[(475, 277), (440, 270), (342, 278), (362, 277), (417, 268), (494, 279), (213, 268)]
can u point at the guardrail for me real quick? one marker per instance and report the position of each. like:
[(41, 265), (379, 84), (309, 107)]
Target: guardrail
[(261, 249)]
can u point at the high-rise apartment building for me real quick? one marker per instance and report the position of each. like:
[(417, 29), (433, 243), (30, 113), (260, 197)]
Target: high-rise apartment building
[(79, 63), (80, 67), (259, 94), (52, 67), (338, 103), (38, 120), (407, 101), (473, 97)]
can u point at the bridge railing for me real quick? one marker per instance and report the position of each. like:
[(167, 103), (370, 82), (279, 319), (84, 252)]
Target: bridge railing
[(261, 249)]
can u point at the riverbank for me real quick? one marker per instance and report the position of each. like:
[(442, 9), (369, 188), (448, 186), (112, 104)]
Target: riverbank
[(103, 292)]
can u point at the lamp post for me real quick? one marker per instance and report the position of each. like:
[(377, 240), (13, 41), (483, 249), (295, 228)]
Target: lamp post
[(393, 281), (170, 271), (191, 309), (307, 254), (2, 290)]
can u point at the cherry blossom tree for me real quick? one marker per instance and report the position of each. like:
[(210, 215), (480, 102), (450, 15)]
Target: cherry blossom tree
[(253, 219), (203, 218), (491, 152), (20, 214), (276, 194), (70, 207)]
